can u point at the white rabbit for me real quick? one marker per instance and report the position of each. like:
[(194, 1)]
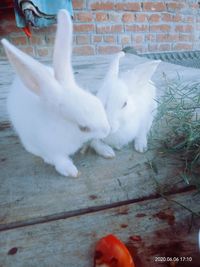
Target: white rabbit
[(129, 101), (52, 115)]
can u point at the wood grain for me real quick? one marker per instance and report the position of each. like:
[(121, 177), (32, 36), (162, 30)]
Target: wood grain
[(31, 189), (151, 229)]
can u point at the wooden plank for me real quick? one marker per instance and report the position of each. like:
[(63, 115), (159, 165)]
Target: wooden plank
[(151, 229), (31, 189)]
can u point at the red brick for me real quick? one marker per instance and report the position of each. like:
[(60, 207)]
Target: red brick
[(8, 29), (9, 15), (151, 6), (194, 6), (128, 17), (84, 27), (167, 37), (138, 39), (45, 30), (177, 18), (136, 28), (175, 6), (140, 17), (109, 29), (19, 40), (108, 49), (183, 47), (189, 19), (184, 28), (150, 37), (114, 16), (82, 39), (97, 38), (154, 18), (170, 27), (43, 51), (101, 16), (152, 47), (99, 5), (83, 17), (39, 40), (167, 17), (130, 6), (164, 47), (83, 50), (186, 37), (140, 48), (28, 50), (79, 4), (125, 39), (109, 38), (162, 28), (116, 28)]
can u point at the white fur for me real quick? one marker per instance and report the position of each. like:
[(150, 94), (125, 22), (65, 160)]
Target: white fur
[(133, 90), (48, 109)]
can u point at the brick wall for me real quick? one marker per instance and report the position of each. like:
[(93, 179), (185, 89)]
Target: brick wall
[(104, 27)]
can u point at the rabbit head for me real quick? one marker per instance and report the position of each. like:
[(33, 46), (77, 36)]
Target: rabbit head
[(119, 94), (114, 94), (57, 88), (116, 103)]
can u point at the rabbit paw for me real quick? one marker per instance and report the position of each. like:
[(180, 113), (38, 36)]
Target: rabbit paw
[(103, 149), (47, 160), (141, 146), (66, 167), (107, 152)]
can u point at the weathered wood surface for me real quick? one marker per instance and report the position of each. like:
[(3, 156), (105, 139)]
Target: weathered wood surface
[(28, 184), (31, 189), (61, 218), (151, 229)]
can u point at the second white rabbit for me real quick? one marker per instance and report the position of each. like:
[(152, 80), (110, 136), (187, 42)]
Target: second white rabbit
[(130, 104)]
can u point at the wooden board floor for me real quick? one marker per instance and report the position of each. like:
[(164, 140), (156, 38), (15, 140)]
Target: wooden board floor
[(50, 220)]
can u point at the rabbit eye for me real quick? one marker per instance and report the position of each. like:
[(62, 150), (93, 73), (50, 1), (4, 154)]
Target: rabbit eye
[(124, 105), (84, 129)]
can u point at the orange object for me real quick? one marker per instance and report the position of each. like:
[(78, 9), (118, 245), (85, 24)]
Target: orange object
[(27, 31), (111, 252)]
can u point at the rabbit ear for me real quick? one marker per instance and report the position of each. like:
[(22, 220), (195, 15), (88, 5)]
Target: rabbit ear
[(32, 73), (63, 49), (114, 66), (142, 73), (146, 70)]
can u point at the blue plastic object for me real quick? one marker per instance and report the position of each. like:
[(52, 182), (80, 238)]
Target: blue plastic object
[(39, 13)]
